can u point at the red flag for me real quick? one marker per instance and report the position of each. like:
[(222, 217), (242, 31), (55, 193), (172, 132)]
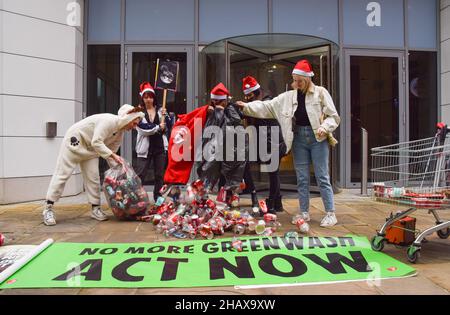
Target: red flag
[(178, 169)]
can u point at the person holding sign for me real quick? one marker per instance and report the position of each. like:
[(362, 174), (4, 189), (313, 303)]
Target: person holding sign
[(300, 113), (93, 137), (152, 138)]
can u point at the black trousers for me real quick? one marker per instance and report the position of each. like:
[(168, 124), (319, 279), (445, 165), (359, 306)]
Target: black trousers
[(248, 179), (274, 180), (159, 165)]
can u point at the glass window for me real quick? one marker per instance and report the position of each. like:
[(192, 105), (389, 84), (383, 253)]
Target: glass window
[(222, 19), (374, 105), (422, 24), (160, 20), (144, 69), (104, 20), (374, 23), (422, 94), (317, 18), (103, 83)]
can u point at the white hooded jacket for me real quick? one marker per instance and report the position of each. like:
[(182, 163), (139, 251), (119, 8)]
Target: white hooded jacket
[(100, 134)]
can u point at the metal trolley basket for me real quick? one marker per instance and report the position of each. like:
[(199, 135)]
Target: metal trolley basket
[(414, 174)]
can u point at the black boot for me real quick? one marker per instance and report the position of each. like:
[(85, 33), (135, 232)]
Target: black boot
[(255, 203), (270, 206), (278, 205)]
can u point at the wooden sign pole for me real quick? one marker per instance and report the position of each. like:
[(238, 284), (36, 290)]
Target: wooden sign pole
[(164, 99)]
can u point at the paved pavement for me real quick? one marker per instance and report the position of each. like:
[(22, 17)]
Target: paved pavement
[(356, 215)]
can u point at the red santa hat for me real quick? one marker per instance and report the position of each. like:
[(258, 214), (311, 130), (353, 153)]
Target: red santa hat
[(303, 68), (146, 88), (219, 92), (249, 84)]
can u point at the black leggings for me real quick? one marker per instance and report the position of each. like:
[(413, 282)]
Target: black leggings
[(159, 165)]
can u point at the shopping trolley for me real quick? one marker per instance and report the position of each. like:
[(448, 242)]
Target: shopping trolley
[(415, 174)]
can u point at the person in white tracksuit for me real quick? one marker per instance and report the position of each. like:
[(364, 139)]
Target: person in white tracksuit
[(93, 137)]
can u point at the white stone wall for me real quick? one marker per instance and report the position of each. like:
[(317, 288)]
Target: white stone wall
[(41, 80), (445, 60)]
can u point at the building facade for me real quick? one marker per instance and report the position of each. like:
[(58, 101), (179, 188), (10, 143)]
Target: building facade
[(385, 62)]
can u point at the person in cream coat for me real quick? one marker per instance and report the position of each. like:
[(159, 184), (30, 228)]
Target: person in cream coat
[(93, 137), (307, 117)]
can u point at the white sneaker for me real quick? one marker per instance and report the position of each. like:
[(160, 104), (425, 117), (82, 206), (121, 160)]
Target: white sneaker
[(98, 214), (304, 215), (329, 220), (49, 215)]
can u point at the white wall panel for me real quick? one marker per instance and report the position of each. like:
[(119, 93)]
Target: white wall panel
[(52, 10), (25, 157), (26, 116), (38, 77), (445, 24), (32, 37)]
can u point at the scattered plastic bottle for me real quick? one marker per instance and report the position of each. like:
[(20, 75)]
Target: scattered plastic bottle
[(302, 226)]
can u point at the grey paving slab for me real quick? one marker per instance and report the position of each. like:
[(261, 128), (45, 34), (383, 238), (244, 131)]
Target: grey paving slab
[(356, 215)]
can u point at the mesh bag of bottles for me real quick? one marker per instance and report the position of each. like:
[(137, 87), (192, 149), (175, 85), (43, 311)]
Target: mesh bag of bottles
[(124, 193)]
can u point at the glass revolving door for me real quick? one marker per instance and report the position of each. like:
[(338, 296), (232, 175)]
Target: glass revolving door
[(269, 58)]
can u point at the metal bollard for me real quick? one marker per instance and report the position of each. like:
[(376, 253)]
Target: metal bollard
[(364, 160)]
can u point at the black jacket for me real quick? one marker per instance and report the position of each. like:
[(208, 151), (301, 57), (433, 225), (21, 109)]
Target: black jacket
[(224, 159), (266, 133)]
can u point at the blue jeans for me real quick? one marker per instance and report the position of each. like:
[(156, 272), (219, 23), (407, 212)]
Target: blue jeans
[(307, 149)]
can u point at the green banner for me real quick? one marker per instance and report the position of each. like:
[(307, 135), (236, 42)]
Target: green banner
[(200, 263)]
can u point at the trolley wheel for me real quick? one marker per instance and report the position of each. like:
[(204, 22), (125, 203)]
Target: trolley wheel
[(413, 254), (444, 234), (377, 243)]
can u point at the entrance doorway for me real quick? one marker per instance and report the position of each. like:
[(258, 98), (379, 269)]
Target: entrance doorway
[(140, 66), (376, 96), (270, 58)]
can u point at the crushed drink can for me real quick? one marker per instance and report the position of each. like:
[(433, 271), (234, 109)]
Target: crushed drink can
[(120, 205), (206, 231), (156, 219), (268, 231), (263, 206), (2, 240), (222, 195), (234, 201), (270, 217), (134, 197), (195, 220), (237, 244), (119, 195), (159, 201), (291, 234), (198, 185), (110, 191), (210, 204), (110, 181), (302, 226)]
